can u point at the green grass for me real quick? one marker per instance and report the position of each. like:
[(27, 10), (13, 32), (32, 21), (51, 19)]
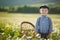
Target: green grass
[(18, 18), (10, 24)]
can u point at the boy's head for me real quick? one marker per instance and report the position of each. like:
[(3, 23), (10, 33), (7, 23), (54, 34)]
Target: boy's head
[(44, 10)]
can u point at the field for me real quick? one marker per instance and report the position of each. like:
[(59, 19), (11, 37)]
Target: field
[(12, 21)]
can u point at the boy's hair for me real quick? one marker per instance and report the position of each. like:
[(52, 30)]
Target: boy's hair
[(44, 7)]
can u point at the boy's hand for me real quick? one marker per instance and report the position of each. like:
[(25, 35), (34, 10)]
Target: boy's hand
[(48, 34)]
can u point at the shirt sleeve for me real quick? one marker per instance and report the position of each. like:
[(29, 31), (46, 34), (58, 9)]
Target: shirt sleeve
[(51, 28), (36, 26)]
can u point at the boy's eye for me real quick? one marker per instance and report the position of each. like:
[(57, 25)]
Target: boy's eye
[(42, 10)]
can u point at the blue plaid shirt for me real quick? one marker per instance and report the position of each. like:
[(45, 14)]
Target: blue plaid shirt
[(44, 24)]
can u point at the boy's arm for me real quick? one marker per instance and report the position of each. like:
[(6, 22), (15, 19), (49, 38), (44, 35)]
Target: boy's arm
[(51, 26), (36, 26)]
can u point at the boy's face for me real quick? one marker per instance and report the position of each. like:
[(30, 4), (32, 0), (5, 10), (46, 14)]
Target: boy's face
[(43, 11)]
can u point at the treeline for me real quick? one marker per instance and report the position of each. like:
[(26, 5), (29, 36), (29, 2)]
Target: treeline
[(55, 10), (26, 9)]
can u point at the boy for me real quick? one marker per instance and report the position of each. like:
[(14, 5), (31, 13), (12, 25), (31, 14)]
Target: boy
[(44, 23)]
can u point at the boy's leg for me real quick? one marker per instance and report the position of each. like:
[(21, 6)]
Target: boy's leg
[(44, 36)]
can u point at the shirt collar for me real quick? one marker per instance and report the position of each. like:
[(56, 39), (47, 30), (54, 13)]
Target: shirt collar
[(43, 16)]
